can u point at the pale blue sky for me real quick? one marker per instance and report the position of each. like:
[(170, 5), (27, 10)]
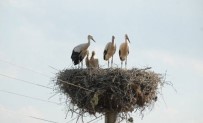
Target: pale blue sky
[(166, 35)]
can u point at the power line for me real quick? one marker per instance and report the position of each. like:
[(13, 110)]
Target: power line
[(37, 118), (41, 74), (38, 73), (97, 118), (25, 81), (25, 68), (53, 68), (33, 117), (72, 120), (35, 98)]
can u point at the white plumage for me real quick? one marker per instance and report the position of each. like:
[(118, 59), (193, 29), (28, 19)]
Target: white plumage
[(80, 51), (124, 51), (109, 51)]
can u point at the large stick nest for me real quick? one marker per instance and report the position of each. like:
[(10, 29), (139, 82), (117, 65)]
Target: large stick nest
[(109, 90)]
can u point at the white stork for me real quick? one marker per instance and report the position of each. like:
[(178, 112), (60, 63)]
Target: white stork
[(109, 51), (93, 62), (80, 51), (124, 51)]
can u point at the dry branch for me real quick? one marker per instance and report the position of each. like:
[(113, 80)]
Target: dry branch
[(109, 90)]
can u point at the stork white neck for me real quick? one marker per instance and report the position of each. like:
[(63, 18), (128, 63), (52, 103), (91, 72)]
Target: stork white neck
[(88, 42), (90, 38), (126, 41), (112, 41), (93, 54)]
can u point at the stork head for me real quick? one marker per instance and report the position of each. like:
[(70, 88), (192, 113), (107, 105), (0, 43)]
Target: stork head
[(93, 53), (113, 38), (90, 37), (126, 38)]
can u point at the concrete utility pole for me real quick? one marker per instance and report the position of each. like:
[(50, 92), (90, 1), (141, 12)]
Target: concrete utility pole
[(111, 117)]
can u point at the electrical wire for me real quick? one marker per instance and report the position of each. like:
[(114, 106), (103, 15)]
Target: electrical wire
[(25, 68), (42, 119), (35, 98), (38, 73), (29, 116), (97, 118), (25, 81)]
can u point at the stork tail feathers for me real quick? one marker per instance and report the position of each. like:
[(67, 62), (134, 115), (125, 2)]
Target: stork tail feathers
[(105, 52), (76, 58)]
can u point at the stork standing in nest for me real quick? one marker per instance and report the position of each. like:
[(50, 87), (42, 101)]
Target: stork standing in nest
[(80, 51), (124, 51), (93, 62), (109, 51)]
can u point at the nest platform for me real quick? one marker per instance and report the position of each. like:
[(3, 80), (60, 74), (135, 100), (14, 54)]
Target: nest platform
[(109, 90)]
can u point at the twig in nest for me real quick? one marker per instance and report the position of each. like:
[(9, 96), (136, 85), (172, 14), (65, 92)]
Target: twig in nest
[(110, 90)]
